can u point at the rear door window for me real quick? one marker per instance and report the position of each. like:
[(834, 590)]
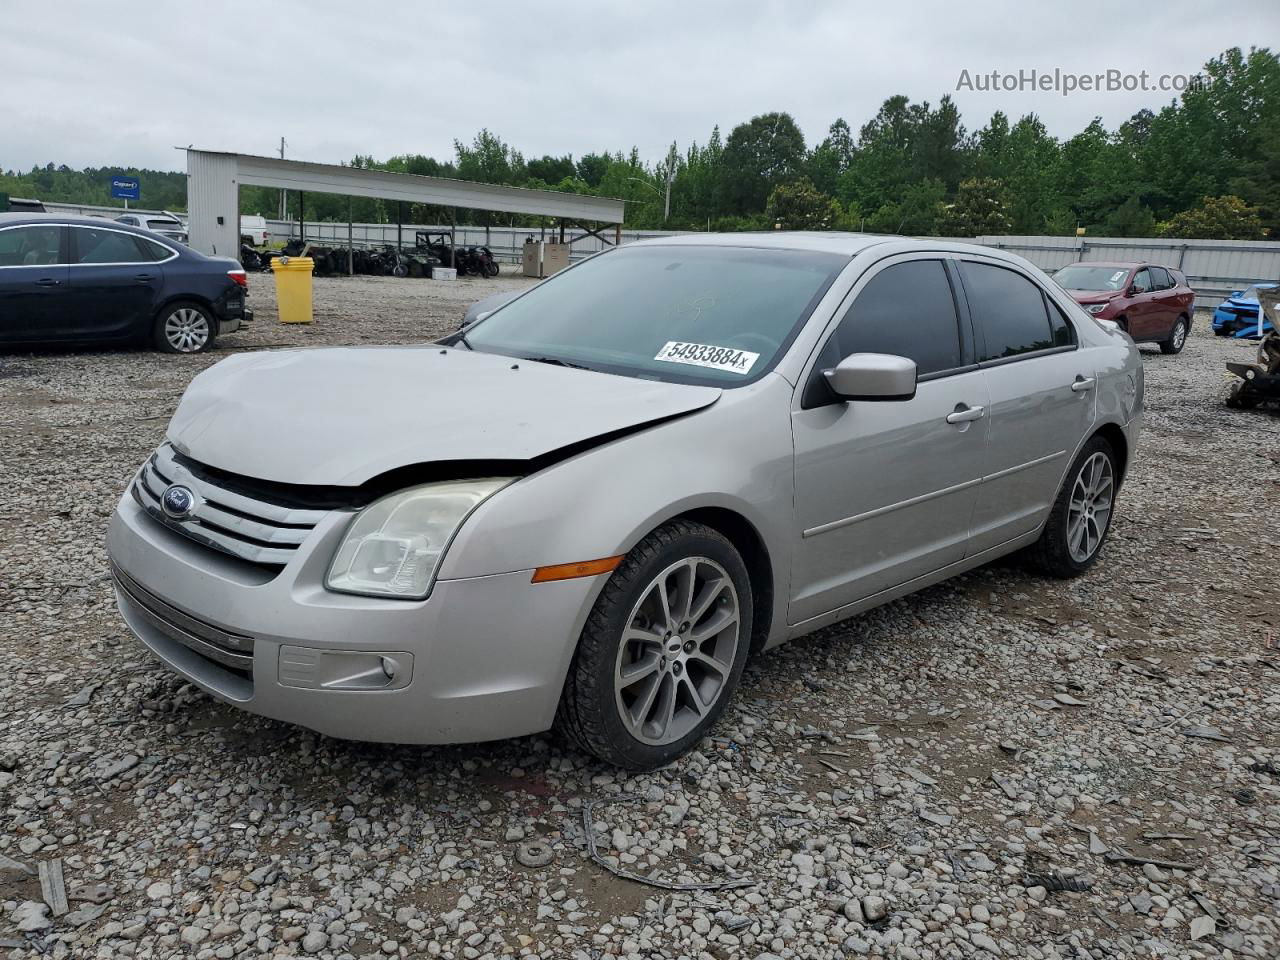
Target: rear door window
[(1008, 308), (1159, 278), (106, 246)]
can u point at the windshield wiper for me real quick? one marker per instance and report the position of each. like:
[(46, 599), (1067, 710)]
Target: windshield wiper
[(557, 362)]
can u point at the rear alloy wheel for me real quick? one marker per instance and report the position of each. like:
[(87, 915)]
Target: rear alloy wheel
[(184, 328), (1081, 516), (662, 650), (1177, 337)]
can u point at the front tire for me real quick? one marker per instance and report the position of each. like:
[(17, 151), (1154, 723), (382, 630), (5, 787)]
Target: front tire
[(662, 650), (1177, 337), (1077, 527), (184, 327)]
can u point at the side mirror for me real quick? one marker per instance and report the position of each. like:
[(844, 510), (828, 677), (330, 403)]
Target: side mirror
[(873, 376)]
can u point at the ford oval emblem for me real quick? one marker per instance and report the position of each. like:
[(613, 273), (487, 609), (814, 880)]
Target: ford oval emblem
[(178, 502)]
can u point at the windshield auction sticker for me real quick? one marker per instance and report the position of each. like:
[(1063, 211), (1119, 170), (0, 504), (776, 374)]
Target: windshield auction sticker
[(728, 359)]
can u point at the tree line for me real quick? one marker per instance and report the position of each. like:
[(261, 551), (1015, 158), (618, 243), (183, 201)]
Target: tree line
[(1206, 165)]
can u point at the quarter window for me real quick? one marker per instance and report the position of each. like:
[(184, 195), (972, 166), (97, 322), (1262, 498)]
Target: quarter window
[(1063, 333), (1010, 310), (107, 246), (30, 246), (906, 310), (151, 250)]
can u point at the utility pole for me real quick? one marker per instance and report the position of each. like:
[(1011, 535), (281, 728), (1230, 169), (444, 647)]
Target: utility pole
[(283, 193), (670, 178)]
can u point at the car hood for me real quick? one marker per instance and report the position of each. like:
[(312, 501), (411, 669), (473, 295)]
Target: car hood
[(1092, 296), (343, 416)]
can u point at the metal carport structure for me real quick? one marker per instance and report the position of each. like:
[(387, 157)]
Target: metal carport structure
[(214, 179)]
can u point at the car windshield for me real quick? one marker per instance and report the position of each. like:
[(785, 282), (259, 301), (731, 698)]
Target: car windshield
[(715, 315), (1078, 277)]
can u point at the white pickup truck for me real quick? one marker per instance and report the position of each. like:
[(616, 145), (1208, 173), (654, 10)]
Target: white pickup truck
[(253, 230)]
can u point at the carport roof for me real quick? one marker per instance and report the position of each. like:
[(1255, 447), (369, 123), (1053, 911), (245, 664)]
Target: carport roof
[(414, 188)]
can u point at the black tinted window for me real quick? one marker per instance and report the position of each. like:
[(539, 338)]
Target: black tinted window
[(152, 250), (906, 310), (1009, 308), (106, 246), (29, 246), (1159, 278), (1064, 335)]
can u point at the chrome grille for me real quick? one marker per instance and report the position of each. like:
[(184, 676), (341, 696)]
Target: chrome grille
[(253, 530), (231, 650)]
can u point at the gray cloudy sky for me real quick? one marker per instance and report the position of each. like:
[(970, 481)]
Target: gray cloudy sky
[(100, 84)]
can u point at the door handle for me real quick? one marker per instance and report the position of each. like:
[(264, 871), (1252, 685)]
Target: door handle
[(1082, 384), (47, 282), (143, 277), (967, 414)]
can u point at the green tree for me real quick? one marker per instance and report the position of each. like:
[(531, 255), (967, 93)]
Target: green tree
[(489, 160), (550, 169), (915, 214), (799, 205), (759, 155), (1131, 219), (1216, 218), (979, 209)]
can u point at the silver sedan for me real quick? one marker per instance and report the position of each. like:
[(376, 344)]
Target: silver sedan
[(589, 508)]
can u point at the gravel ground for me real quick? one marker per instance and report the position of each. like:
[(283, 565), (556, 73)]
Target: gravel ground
[(973, 771)]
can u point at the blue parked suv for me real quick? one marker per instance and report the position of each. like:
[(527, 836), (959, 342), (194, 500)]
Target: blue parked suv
[(85, 279), (1237, 316)]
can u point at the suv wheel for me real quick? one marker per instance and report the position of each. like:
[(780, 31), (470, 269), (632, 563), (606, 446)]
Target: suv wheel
[(184, 327), (662, 651), (1177, 337), (1081, 516)]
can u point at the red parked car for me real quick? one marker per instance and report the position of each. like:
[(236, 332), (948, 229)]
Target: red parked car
[(1148, 301)]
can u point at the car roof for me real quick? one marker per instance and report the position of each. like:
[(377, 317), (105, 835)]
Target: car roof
[(827, 242), (10, 219)]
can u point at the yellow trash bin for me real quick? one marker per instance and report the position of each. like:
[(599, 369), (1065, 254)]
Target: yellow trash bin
[(293, 288)]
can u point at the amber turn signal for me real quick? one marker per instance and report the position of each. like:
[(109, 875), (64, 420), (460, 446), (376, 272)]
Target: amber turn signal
[(568, 571)]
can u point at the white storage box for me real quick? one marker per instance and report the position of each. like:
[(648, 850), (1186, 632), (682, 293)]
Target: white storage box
[(444, 273)]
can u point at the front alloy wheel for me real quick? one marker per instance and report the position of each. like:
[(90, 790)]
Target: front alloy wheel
[(662, 650), (677, 650)]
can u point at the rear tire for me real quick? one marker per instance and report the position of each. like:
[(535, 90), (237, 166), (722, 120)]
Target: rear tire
[(1077, 528), (184, 327), (1177, 337), (662, 650)]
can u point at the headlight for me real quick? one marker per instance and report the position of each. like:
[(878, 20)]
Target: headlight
[(1097, 307), (394, 546)]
